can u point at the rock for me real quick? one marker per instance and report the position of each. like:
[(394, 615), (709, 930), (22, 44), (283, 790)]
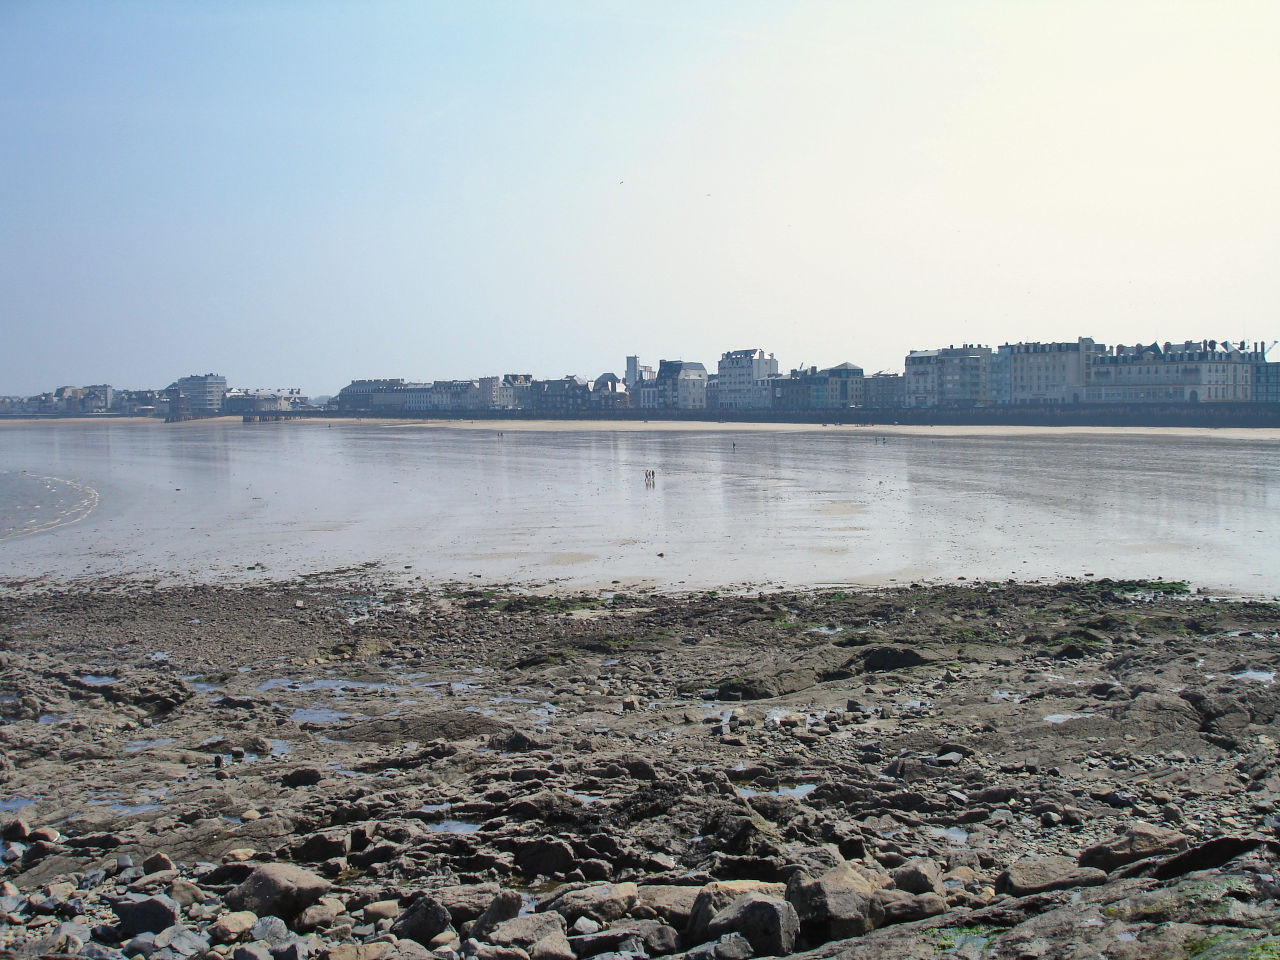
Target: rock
[(1042, 874), (655, 938), (279, 889), (672, 903), (541, 935), (504, 906), (1138, 842), (732, 946), (318, 915), (272, 930), (545, 858), (902, 907), (382, 910), (918, 875), (423, 921), (769, 923), (839, 904), (231, 927), (714, 897), (876, 659), (303, 777), (157, 862), (324, 845), (178, 941), (603, 902), (252, 951), (139, 914)]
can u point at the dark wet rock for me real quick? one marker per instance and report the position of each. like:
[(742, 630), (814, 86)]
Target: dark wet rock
[(142, 914), (424, 920), (545, 857), (303, 777)]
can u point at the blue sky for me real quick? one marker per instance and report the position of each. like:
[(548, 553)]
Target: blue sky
[(300, 193)]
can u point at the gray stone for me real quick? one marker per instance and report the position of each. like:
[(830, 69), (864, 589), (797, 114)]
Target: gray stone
[(425, 919), (272, 930), (918, 875), (139, 914), (252, 951), (837, 905), (181, 942), (279, 889), (1138, 842), (1042, 874), (504, 906), (769, 924)]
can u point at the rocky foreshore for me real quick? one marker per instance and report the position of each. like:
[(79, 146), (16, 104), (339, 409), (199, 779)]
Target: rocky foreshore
[(342, 771)]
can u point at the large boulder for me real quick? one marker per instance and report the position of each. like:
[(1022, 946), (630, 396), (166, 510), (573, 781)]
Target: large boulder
[(769, 924), (839, 904), (602, 902), (279, 889), (715, 896), (540, 935), (1138, 842), (425, 919), (671, 902), (1042, 874), (141, 914)]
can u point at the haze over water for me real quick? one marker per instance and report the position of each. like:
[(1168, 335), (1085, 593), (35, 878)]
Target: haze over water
[(568, 504)]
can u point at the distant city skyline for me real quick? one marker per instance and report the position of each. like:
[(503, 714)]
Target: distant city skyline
[(301, 194)]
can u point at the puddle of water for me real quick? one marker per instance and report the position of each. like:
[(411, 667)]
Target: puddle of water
[(1262, 676), (281, 748), (1007, 695), (433, 807), (52, 718), (826, 631), (797, 791), (160, 656), (453, 826), (317, 715), (586, 799), (137, 745), (1064, 717), (98, 680), (15, 803), (954, 835)]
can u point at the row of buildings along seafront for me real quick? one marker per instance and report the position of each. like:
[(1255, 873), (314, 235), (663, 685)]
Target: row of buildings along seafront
[(1084, 372), (1079, 372)]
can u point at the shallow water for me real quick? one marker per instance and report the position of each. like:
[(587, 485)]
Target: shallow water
[(229, 501)]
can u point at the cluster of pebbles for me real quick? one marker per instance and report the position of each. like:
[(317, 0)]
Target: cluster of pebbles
[(327, 770)]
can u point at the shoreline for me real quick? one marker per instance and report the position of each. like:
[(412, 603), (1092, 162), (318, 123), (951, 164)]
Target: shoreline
[(678, 426)]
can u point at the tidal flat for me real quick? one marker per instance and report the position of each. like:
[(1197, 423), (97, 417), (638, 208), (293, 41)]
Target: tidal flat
[(346, 768)]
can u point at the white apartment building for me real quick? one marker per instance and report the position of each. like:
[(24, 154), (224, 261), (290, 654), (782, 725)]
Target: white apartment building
[(743, 379), (1044, 372), (1190, 372)]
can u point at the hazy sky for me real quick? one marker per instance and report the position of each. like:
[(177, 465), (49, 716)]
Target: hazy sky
[(302, 193)]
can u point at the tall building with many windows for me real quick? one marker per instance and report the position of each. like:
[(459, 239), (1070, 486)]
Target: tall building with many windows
[(742, 379)]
